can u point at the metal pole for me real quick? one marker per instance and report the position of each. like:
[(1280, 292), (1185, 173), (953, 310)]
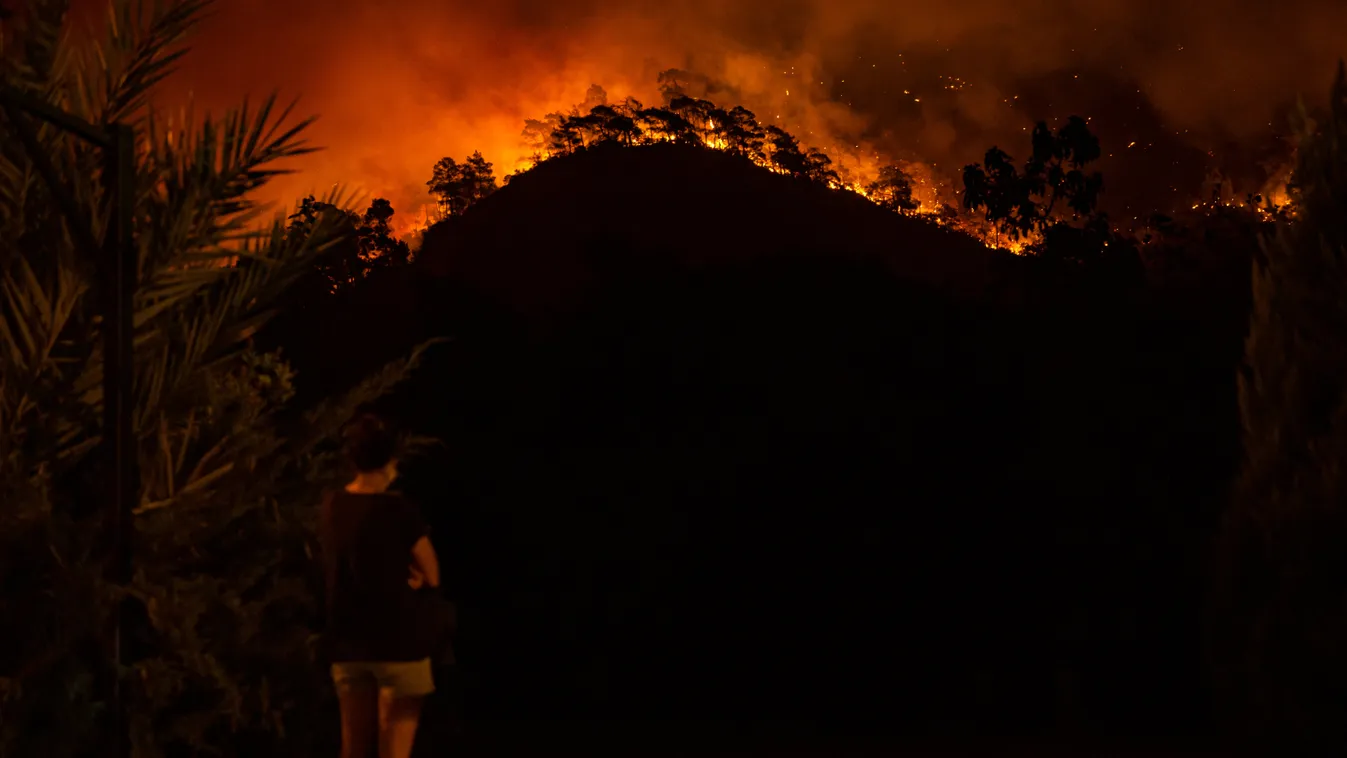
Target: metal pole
[(118, 266), (120, 270)]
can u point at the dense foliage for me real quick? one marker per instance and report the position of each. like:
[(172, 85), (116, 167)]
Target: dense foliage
[(1283, 582), (365, 242), (221, 649), (459, 185)]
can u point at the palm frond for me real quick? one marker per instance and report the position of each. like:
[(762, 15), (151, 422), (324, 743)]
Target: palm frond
[(37, 56), (145, 50), (203, 177), (325, 420), (34, 315)]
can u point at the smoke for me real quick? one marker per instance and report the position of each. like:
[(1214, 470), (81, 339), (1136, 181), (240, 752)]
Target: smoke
[(398, 85)]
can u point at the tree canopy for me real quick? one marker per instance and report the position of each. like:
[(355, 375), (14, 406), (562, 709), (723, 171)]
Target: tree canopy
[(367, 243), (458, 186)]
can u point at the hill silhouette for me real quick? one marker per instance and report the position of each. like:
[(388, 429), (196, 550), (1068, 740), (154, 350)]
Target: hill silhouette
[(779, 454), (536, 243)]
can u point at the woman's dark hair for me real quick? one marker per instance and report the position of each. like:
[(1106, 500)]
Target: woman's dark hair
[(370, 442)]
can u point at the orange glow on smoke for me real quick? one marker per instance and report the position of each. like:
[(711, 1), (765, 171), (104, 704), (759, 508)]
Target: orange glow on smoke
[(399, 85)]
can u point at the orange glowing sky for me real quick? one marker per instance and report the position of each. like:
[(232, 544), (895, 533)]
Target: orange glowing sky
[(398, 85)]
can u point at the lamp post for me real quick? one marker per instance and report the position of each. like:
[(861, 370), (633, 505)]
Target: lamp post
[(117, 266)]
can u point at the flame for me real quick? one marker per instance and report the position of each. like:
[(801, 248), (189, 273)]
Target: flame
[(1272, 202)]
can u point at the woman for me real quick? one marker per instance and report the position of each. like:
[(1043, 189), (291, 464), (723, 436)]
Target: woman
[(377, 555)]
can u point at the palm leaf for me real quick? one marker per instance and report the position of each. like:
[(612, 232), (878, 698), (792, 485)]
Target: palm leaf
[(326, 419), (145, 48)]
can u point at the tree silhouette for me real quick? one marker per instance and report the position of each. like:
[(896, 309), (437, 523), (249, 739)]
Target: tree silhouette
[(1053, 183), (893, 190), (362, 244), (378, 245), (700, 114), (819, 168), (610, 125), (996, 188), (568, 136), (1280, 596), (664, 125), (785, 153), (743, 135), (537, 134), (458, 186)]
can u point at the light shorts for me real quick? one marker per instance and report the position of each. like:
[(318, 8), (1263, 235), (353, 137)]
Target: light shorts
[(398, 678)]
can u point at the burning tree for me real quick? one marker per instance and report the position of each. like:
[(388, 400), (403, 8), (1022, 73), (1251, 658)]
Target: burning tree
[(609, 124), (893, 190), (661, 124), (537, 134), (1052, 202), (221, 588), (744, 136), (1281, 617)]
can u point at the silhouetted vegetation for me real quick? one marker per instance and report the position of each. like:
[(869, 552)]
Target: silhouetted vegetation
[(1053, 202), (1281, 585), (680, 120), (364, 244), (893, 190), (458, 185)]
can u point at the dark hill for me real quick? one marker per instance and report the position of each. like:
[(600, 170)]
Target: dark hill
[(535, 243), (834, 478)]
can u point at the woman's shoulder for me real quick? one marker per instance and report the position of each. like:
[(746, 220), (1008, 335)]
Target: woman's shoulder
[(390, 497)]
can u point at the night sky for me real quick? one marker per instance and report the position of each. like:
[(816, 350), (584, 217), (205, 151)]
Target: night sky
[(400, 84)]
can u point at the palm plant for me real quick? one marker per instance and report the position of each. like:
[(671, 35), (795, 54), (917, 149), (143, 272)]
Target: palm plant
[(228, 465)]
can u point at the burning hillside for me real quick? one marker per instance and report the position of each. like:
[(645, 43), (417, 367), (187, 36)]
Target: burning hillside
[(997, 205)]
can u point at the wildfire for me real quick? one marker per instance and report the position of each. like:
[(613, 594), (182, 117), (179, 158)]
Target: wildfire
[(852, 169), (1273, 201), (856, 171)]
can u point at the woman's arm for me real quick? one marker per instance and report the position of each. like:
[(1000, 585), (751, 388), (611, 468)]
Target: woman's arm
[(425, 562)]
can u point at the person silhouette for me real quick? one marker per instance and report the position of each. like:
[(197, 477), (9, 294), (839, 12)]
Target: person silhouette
[(377, 557)]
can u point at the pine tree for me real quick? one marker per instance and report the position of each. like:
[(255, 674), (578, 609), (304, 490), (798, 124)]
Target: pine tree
[(1280, 627), (460, 185), (229, 466)]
